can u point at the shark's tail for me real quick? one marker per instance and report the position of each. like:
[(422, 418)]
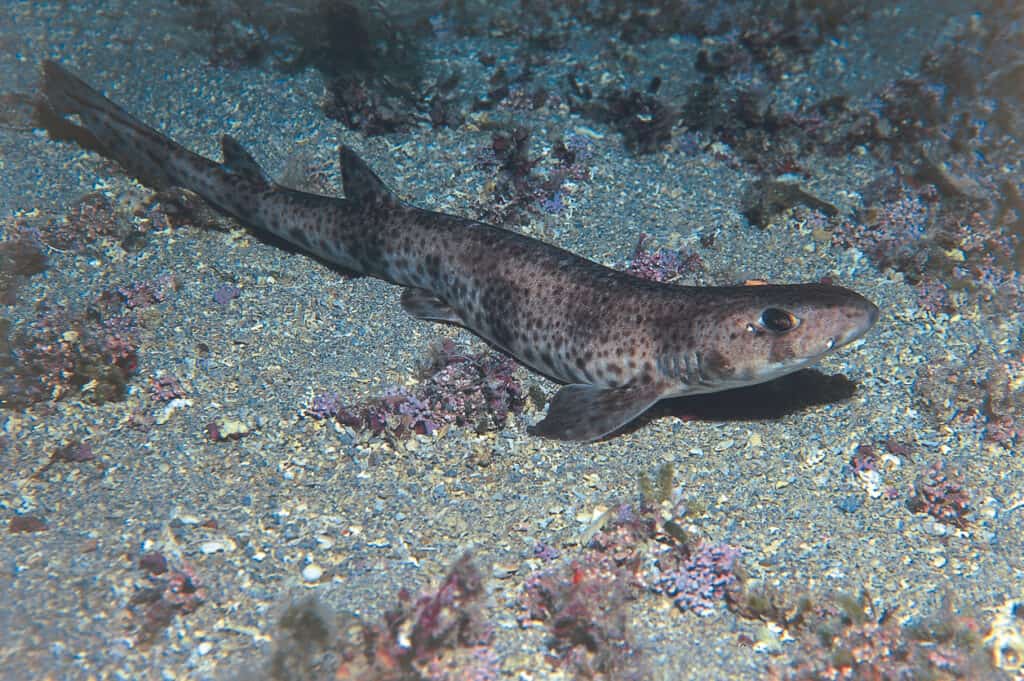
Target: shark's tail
[(155, 159)]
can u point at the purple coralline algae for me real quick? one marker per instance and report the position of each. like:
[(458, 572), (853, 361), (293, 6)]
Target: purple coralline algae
[(662, 264), (477, 391), (166, 388), (325, 405), (701, 580), (225, 293), (440, 636), (939, 492), (60, 352)]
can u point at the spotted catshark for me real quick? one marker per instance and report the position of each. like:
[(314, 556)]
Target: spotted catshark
[(618, 343)]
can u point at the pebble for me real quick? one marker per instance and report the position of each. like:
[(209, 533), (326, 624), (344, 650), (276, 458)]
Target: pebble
[(165, 414), (503, 570), (229, 429), (989, 509), (850, 504), (208, 547), (312, 572)]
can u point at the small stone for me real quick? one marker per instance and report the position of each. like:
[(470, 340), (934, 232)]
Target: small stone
[(312, 573), (153, 562), (225, 293), (225, 428), (204, 647), (850, 504), (989, 509), (503, 570), (165, 414), (213, 546), (26, 523), (767, 640)]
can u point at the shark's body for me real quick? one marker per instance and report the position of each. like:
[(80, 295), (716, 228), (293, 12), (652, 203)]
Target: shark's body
[(618, 342)]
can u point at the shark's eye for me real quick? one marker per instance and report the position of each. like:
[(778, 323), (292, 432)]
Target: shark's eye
[(778, 320)]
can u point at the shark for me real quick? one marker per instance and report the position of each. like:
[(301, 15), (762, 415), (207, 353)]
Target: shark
[(617, 343)]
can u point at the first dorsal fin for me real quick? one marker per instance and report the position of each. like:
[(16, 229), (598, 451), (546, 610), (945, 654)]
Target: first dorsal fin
[(362, 184), (240, 162)]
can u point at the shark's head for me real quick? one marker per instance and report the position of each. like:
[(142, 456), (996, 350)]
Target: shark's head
[(762, 332)]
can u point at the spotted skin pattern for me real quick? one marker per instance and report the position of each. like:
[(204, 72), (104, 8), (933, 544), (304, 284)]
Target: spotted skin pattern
[(618, 342)]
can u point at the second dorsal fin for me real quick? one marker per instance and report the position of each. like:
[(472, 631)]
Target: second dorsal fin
[(240, 162), (360, 182)]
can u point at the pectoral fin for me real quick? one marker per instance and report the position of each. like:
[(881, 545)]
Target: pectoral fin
[(425, 305), (586, 412)]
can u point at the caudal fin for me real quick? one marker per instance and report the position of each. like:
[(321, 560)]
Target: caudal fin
[(142, 151), (153, 158)]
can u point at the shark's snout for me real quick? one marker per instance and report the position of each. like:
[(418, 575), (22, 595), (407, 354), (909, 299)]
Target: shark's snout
[(863, 316)]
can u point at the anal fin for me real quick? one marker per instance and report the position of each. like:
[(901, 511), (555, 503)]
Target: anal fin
[(423, 304), (586, 413)]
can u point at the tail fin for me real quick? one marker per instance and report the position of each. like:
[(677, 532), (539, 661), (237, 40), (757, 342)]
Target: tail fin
[(155, 159), (139, 149)]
